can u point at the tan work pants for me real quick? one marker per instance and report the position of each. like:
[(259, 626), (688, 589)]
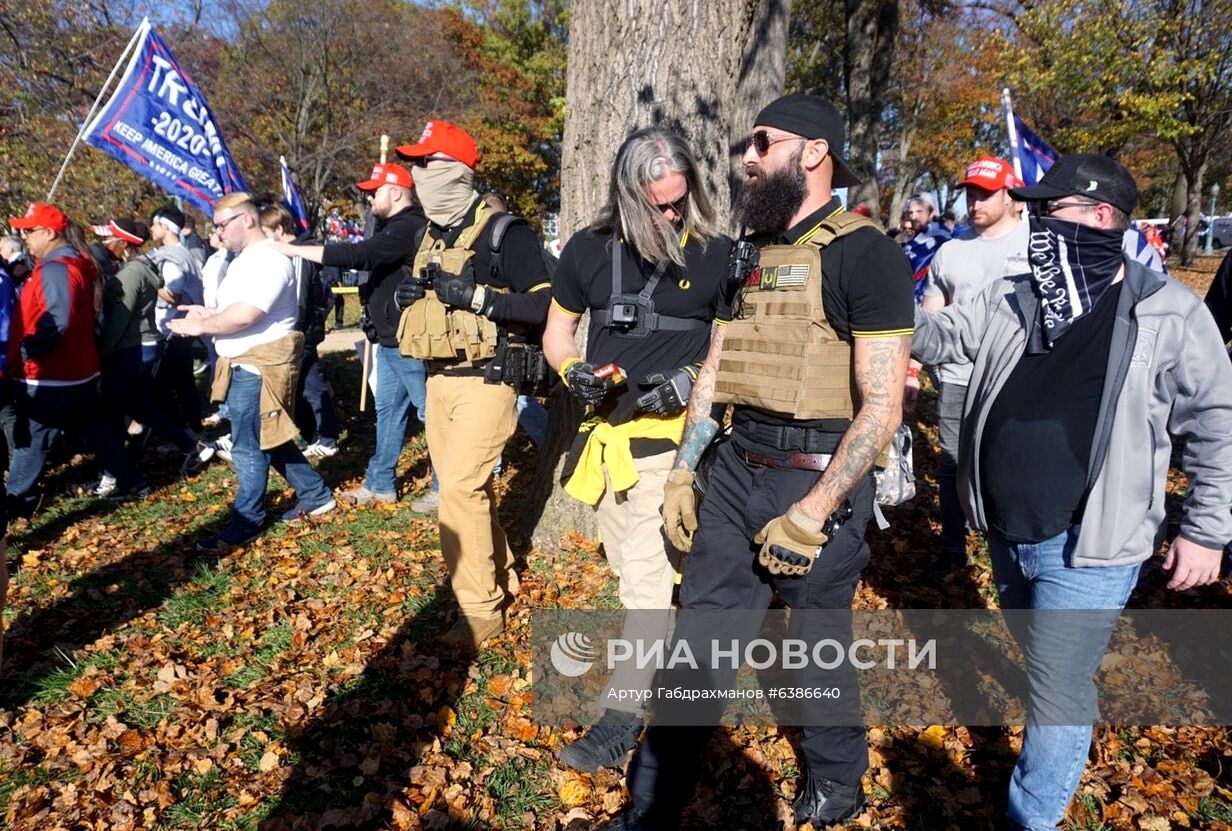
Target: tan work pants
[(645, 563), (470, 424)]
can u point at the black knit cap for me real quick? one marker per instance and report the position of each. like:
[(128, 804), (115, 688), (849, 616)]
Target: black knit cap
[(811, 117), (1084, 174)]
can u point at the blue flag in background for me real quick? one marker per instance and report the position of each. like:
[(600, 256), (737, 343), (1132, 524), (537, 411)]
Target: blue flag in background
[(158, 124), (1034, 154), (290, 198)]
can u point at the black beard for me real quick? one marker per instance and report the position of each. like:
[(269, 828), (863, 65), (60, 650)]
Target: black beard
[(769, 205)]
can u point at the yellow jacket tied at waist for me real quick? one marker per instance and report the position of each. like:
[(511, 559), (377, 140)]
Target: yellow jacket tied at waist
[(608, 447)]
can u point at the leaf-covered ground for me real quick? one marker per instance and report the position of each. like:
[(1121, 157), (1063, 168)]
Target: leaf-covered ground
[(295, 684)]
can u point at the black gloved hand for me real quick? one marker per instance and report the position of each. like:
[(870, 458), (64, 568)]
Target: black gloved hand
[(669, 391), (456, 291), (580, 378), (408, 291), (367, 326)]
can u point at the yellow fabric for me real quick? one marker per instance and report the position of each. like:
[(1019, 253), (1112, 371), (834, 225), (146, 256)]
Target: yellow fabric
[(278, 363), (608, 448)]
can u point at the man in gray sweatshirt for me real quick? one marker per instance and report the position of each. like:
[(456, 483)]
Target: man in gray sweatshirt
[(1081, 370)]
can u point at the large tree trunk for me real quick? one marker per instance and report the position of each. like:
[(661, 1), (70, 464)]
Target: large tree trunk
[(704, 69), (1193, 213), (872, 26)]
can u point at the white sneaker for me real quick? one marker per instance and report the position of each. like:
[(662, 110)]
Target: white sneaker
[(426, 504), (316, 450), (222, 446), (106, 485)]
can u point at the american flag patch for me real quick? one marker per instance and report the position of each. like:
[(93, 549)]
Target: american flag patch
[(784, 276)]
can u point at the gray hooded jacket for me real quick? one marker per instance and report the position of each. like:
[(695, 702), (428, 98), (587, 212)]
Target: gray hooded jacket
[(1167, 374)]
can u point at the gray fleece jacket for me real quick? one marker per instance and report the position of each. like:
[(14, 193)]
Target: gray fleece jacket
[(1168, 375)]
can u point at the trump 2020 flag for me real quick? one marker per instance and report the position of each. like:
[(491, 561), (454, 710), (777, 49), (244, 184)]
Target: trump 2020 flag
[(290, 197), (1033, 152), (160, 125)]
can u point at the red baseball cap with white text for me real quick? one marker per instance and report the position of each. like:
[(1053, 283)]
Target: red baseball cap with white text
[(991, 173), (41, 215), (387, 174), (444, 138)]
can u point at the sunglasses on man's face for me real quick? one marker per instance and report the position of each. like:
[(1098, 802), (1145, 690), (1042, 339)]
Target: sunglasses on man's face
[(676, 207), (761, 141)]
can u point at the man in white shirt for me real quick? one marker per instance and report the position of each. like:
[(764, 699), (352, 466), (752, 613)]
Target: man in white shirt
[(258, 349), (994, 247)]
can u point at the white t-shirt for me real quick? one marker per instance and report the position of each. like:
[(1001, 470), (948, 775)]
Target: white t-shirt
[(212, 272), (963, 268), (261, 277)]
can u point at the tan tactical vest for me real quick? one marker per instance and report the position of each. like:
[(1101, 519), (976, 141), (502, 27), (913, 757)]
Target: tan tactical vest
[(781, 354), (428, 329)]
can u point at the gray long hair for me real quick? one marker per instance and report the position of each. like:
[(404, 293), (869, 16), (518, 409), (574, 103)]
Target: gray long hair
[(646, 156)]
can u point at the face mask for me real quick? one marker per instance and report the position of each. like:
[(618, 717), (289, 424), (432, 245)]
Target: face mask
[(446, 191), (1072, 265)]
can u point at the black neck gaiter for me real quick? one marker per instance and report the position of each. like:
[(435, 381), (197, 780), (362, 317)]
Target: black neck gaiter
[(1072, 265)]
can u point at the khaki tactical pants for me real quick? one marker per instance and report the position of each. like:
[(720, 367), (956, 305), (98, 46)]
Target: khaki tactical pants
[(470, 424), (632, 530)]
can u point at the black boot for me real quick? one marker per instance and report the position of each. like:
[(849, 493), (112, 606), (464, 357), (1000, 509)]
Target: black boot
[(605, 744), (630, 819), (823, 801)]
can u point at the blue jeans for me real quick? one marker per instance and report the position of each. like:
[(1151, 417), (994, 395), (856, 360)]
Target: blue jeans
[(400, 384), (315, 402), (1054, 748), (252, 464), (42, 413), (533, 418)]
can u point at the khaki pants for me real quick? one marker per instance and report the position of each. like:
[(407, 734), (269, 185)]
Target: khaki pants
[(645, 563), (470, 424)]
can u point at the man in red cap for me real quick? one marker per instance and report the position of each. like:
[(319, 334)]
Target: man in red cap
[(387, 255), (995, 246), (54, 361), (489, 287)]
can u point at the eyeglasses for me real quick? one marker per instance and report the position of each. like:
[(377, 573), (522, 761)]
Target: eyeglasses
[(676, 207), (25, 232), (761, 141), (220, 224), (1054, 205)]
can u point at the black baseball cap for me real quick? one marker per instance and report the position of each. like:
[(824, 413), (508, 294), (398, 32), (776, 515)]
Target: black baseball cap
[(812, 117), (1084, 174)]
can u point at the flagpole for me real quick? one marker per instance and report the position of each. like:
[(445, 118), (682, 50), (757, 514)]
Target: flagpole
[(1012, 131), (141, 30)]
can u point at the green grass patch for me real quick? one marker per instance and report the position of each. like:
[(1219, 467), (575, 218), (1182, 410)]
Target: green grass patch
[(207, 592), (277, 640), (519, 786), (1214, 809), (198, 800), (11, 781)]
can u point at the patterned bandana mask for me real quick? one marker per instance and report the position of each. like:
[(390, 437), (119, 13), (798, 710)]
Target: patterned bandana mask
[(1072, 265)]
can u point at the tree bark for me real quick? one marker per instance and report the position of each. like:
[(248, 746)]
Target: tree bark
[(872, 26), (1193, 213), (703, 69)]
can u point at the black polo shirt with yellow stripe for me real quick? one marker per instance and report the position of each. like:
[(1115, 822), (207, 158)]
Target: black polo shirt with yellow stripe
[(583, 281), (867, 290)]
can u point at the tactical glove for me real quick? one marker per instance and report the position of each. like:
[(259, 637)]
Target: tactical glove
[(669, 392), (790, 543), (456, 292), (367, 326), (581, 380), (680, 509), (408, 292)]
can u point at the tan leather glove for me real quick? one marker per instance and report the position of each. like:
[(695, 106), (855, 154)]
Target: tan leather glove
[(680, 509), (790, 543)]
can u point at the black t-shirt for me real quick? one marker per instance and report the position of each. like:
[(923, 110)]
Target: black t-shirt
[(867, 289), (1036, 444), (583, 281)]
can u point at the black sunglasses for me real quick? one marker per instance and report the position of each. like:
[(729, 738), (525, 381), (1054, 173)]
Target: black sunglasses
[(761, 141), (677, 207)]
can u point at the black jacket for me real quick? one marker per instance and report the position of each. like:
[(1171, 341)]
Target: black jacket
[(386, 254)]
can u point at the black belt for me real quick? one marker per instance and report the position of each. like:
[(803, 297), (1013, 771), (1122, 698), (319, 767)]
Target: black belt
[(788, 438), (796, 461)]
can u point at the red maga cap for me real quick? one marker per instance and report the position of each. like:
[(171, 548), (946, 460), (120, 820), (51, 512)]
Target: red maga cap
[(991, 173), (445, 138), (387, 174), (41, 215)]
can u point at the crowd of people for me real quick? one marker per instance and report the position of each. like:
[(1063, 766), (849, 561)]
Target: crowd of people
[(738, 394)]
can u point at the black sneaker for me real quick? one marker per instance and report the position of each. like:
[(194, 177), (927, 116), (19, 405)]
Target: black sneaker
[(605, 744), (197, 458), (128, 494), (225, 541), (824, 801), (630, 819)]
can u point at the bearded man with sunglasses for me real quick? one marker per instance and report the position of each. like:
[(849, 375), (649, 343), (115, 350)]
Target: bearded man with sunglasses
[(1081, 369), (814, 362), (650, 270)]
